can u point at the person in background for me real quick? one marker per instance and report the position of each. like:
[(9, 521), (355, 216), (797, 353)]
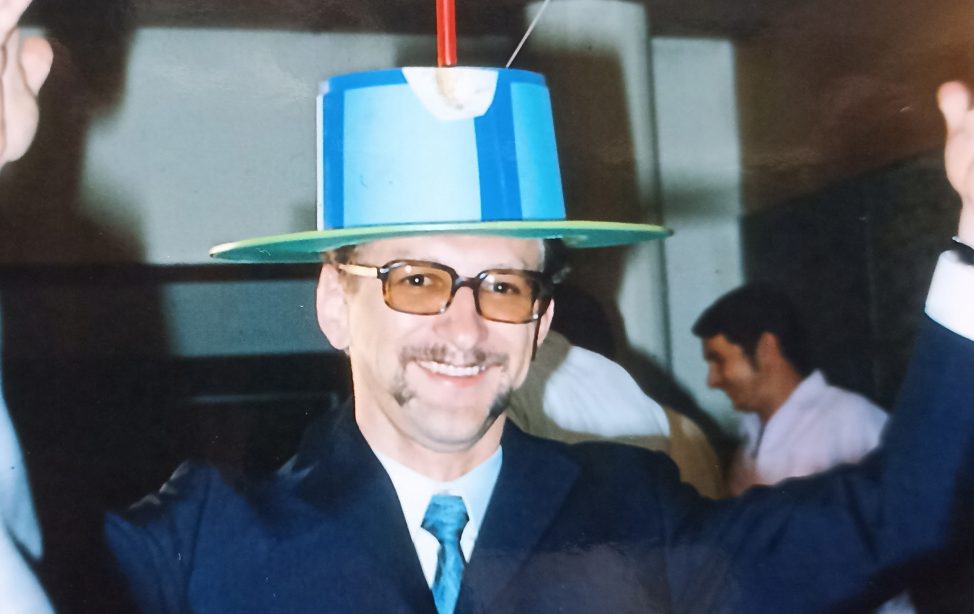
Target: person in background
[(572, 394), (795, 423), (25, 66)]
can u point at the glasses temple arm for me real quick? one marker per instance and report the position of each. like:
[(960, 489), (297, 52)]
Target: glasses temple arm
[(359, 270)]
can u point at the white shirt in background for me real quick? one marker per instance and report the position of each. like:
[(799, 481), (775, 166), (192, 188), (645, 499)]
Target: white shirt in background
[(818, 427)]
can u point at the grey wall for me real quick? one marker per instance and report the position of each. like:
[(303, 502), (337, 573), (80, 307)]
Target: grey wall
[(700, 174), (857, 258), (210, 138)]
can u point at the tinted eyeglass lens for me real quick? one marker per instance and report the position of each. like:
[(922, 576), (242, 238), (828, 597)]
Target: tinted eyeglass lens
[(418, 289), (507, 297), (426, 289)]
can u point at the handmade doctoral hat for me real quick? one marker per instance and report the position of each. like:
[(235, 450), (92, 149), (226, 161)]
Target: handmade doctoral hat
[(436, 150)]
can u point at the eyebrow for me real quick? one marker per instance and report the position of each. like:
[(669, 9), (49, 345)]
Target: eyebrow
[(520, 264)]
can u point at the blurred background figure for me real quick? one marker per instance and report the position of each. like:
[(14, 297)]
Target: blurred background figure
[(572, 394), (794, 422)]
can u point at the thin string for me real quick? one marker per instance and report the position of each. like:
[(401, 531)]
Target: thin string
[(534, 22)]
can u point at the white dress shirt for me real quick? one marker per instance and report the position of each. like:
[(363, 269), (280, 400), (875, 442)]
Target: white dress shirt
[(818, 426), (415, 491), (950, 301)]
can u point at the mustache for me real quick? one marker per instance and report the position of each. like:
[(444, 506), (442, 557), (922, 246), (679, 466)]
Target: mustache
[(441, 353)]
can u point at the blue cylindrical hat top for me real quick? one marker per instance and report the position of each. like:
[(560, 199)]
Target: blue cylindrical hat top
[(432, 145)]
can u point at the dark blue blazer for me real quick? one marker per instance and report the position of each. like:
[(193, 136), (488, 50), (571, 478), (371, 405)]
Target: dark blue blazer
[(570, 528)]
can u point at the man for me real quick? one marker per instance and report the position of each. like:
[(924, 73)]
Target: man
[(795, 423), (420, 497), (24, 69)]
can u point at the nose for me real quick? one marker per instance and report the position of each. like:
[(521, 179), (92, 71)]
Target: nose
[(713, 377), (460, 325)]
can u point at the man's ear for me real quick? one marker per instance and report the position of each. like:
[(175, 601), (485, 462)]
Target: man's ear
[(332, 307), (544, 322), (768, 350)]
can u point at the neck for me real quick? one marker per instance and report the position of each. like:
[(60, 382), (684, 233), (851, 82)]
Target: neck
[(779, 388)]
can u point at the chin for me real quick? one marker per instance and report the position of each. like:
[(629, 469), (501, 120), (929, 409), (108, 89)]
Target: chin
[(453, 441), (454, 427)]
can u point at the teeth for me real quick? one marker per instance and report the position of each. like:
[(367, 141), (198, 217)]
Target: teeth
[(451, 370)]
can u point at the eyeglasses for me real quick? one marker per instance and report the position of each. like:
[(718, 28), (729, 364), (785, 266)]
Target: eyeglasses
[(418, 287)]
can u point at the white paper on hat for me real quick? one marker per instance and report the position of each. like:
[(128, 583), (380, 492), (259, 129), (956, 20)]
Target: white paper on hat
[(584, 392), (453, 93)]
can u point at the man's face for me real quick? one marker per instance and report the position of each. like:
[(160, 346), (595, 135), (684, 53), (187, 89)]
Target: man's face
[(434, 381), (731, 370)]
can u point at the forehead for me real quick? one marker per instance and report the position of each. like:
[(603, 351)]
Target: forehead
[(461, 252), (719, 347)]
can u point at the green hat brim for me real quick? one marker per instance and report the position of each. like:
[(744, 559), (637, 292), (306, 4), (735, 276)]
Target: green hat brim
[(308, 246)]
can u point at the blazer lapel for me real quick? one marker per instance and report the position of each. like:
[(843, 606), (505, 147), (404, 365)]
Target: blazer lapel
[(341, 477), (532, 485)]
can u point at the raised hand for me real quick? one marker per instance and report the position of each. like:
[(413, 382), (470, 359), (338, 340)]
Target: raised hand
[(955, 103), (24, 69)]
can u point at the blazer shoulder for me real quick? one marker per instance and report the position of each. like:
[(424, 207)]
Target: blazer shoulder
[(154, 541), (190, 488), (623, 464)]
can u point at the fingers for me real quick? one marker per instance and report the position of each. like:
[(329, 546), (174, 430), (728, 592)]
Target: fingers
[(10, 12), (36, 57), (19, 105), (24, 71), (954, 100)]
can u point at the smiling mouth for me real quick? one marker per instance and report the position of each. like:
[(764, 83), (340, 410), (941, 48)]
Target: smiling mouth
[(441, 368)]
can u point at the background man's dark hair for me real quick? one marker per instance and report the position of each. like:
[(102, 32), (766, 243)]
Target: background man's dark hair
[(742, 315)]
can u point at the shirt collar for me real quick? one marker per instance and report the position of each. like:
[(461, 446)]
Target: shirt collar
[(807, 391), (809, 388), (415, 490)]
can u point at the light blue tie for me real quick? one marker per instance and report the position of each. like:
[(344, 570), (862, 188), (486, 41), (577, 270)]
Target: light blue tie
[(445, 518)]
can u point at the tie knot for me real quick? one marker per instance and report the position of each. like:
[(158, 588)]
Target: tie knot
[(445, 518)]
